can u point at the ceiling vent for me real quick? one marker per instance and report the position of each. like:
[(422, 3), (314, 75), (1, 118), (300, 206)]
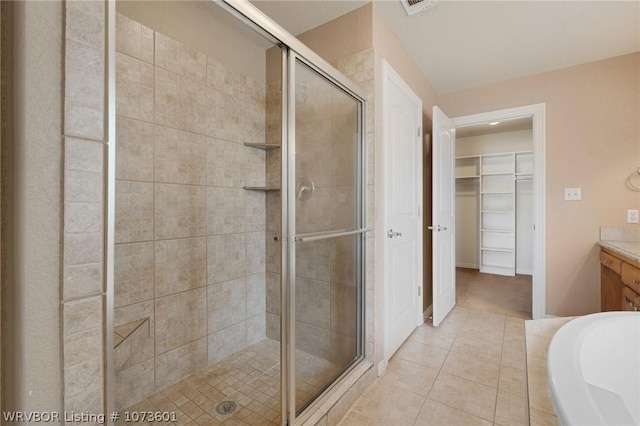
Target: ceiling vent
[(416, 6)]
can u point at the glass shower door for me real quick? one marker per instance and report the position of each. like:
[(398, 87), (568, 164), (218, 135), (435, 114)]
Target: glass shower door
[(325, 193)]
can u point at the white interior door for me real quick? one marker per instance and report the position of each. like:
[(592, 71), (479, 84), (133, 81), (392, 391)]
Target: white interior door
[(402, 113), (444, 209)]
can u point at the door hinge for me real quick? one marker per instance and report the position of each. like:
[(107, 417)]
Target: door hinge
[(419, 291), (418, 134)]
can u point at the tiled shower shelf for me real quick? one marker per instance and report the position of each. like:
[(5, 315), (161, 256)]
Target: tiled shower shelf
[(121, 332), (265, 146)]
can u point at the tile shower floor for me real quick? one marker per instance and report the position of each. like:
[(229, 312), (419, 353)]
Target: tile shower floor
[(250, 378)]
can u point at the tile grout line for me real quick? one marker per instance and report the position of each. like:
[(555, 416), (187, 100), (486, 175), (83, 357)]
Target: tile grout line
[(504, 332), (439, 371)]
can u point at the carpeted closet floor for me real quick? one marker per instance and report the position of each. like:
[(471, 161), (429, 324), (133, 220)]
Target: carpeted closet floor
[(509, 296)]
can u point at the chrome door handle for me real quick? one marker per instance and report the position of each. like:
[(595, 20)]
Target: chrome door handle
[(392, 234), (438, 228)]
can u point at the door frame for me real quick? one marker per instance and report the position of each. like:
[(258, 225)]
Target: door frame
[(391, 75), (538, 114)]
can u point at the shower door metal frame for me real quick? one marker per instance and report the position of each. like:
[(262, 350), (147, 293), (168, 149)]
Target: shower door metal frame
[(292, 50), (291, 238)]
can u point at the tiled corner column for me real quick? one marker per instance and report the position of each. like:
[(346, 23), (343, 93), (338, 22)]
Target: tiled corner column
[(83, 294), (360, 68)]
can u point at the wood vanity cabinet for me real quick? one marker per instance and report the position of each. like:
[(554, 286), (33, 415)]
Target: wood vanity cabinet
[(619, 282), (631, 277), (630, 299), (611, 285)]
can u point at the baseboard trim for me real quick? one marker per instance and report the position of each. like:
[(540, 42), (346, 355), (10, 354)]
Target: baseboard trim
[(467, 265), (382, 368), (426, 314)]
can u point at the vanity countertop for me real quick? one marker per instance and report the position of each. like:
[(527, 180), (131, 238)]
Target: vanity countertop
[(628, 249), (622, 241)]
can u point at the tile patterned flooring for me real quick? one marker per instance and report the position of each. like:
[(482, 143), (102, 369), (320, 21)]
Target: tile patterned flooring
[(469, 370), (538, 335), (250, 378)]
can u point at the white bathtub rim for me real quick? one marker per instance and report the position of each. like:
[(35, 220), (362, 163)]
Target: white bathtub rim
[(565, 376)]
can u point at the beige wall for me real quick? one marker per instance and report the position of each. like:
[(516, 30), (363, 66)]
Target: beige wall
[(592, 142), (390, 48), (350, 33)]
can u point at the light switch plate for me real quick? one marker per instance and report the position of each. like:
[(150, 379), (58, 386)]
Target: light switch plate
[(632, 216), (573, 194)]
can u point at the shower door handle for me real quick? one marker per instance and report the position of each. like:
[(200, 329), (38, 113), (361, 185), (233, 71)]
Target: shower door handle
[(316, 236), (392, 234)]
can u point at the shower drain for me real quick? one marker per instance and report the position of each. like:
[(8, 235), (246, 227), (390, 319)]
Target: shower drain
[(225, 407)]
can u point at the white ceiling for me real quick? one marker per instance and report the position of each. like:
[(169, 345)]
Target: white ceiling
[(464, 44)]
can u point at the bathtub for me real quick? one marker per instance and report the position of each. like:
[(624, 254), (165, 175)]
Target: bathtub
[(594, 370)]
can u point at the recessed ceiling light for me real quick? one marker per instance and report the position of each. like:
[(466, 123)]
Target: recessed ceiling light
[(494, 123)]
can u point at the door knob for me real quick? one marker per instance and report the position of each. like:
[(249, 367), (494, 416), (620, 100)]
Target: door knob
[(392, 234), (438, 228)]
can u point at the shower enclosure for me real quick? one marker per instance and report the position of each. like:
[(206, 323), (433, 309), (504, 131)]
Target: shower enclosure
[(239, 220)]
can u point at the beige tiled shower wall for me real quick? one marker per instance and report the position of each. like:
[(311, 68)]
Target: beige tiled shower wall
[(83, 256), (325, 299), (190, 241)]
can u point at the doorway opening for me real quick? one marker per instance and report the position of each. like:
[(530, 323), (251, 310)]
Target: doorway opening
[(494, 216), (506, 240)]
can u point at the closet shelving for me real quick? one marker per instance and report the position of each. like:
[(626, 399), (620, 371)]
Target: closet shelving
[(266, 147), (497, 176)]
